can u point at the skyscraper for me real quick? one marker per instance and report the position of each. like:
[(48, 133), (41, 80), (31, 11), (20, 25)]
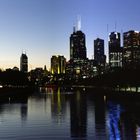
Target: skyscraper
[(58, 64), (131, 50), (99, 56), (24, 63), (76, 67), (77, 45), (115, 50)]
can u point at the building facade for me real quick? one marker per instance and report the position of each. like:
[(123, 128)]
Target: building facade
[(24, 63), (99, 55), (58, 64), (78, 46), (115, 50), (76, 67), (131, 50), (81, 69)]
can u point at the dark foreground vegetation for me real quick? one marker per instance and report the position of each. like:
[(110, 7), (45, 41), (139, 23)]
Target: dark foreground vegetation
[(14, 83), (117, 78), (13, 78)]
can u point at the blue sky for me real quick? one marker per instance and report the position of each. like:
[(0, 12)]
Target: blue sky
[(43, 27)]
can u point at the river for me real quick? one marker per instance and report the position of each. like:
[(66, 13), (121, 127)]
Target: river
[(55, 113)]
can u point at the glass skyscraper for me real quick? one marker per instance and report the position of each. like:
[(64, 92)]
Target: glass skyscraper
[(131, 50), (78, 46), (99, 56), (115, 50)]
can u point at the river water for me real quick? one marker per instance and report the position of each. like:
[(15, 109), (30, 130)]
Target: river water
[(52, 114)]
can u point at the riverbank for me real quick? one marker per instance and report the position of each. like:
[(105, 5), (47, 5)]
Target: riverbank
[(15, 91)]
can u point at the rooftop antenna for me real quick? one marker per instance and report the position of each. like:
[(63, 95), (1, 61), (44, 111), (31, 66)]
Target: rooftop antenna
[(24, 51), (122, 37), (107, 42), (78, 22), (74, 28), (107, 32)]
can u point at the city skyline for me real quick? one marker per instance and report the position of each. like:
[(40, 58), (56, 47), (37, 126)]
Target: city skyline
[(43, 27)]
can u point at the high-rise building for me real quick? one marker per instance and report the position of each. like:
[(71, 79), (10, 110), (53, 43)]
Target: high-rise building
[(76, 67), (115, 50), (81, 69), (77, 45), (24, 63), (131, 49), (99, 56), (58, 64)]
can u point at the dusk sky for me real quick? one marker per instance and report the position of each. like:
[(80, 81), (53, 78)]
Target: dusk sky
[(42, 27)]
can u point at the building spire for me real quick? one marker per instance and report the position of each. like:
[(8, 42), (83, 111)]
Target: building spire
[(78, 23), (74, 29), (24, 51)]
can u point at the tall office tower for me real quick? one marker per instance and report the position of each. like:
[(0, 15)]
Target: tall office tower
[(54, 64), (99, 56), (77, 45), (115, 50), (131, 49), (24, 63), (58, 64)]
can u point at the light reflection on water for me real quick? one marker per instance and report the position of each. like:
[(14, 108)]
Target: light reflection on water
[(68, 114)]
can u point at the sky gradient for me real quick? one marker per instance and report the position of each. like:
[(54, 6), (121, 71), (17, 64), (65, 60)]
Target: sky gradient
[(42, 27)]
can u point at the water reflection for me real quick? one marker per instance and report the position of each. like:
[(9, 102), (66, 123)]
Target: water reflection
[(113, 120), (61, 114), (78, 114), (130, 121), (58, 106), (100, 126), (129, 127), (24, 112)]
